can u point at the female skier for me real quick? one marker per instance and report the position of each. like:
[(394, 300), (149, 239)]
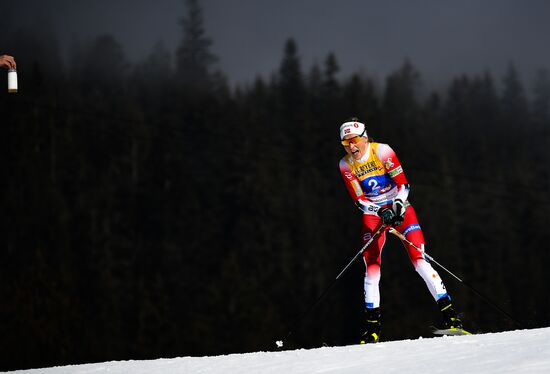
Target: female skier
[(377, 184)]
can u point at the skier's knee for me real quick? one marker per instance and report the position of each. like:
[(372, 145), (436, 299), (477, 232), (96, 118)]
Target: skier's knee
[(426, 271), (372, 273), (421, 265), (372, 279)]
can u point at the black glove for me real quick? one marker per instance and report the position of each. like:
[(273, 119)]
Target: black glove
[(399, 211), (387, 216)]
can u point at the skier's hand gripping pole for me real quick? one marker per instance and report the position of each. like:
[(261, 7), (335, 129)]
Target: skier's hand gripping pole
[(280, 343), (432, 260)]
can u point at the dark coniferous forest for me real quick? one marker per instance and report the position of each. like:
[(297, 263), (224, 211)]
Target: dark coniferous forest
[(151, 209)]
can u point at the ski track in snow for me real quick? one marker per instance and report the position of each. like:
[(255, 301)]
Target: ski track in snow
[(520, 351)]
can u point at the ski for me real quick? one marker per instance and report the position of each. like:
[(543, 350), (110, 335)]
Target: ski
[(451, 332)]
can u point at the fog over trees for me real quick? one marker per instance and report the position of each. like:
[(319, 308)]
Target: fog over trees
[(152, 210)]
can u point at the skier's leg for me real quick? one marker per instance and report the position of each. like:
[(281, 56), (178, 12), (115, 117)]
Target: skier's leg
[(412, 231), (371, 285), (372, 258)]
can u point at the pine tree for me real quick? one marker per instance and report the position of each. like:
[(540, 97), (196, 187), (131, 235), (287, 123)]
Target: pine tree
[(541, 101), (514, 102), (331, 70), (291, 82), (194, 59), (400, 105)]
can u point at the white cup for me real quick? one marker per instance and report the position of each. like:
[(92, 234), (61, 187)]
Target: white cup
[(12, 80)]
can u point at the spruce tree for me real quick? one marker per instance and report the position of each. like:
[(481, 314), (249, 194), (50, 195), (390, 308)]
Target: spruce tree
[(194, 59)]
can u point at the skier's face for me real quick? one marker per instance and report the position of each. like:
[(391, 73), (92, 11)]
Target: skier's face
[(357, 146)]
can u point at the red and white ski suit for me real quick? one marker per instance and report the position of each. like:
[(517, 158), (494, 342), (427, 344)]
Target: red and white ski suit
[(374, 182)]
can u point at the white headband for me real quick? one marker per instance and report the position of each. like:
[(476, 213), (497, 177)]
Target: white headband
[(353, 127)]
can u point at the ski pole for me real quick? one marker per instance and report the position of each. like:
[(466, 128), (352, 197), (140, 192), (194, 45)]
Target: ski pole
[(299, 321), (431, 259)]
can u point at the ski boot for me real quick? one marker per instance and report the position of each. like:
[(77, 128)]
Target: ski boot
[(372, 333), (448, 313)]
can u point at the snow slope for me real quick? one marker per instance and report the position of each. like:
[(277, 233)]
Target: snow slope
[(520, 351)]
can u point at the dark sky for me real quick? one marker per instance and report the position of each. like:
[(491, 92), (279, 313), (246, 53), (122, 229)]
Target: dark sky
[(442, 38)]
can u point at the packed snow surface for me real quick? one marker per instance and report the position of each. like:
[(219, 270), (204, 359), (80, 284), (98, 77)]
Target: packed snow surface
[(520, 351)]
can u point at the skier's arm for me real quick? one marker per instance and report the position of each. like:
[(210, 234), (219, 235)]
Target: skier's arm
[(355, 190), (394, 169)]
